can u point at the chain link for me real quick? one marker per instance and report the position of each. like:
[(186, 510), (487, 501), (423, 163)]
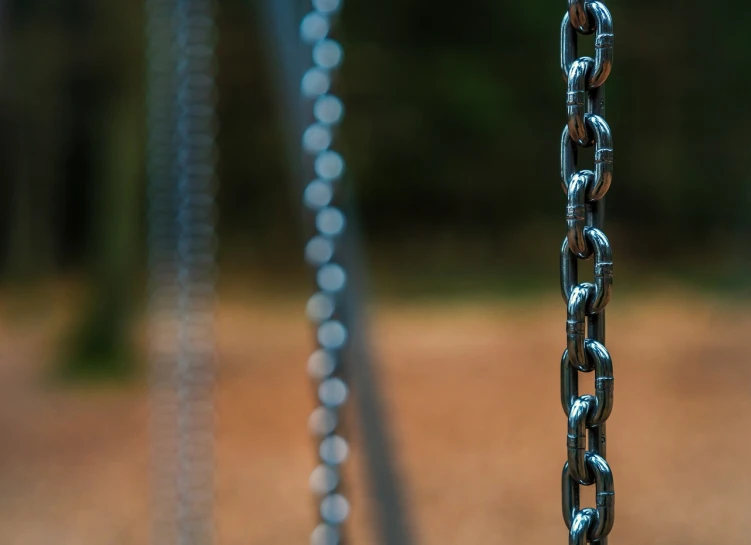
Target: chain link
[(585, 351), (325, 306)]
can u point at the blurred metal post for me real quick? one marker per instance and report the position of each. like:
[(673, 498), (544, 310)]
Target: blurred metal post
[(281, 21)]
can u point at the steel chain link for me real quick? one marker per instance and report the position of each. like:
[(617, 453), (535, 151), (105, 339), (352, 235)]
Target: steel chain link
[(324, 307), (585, 325)]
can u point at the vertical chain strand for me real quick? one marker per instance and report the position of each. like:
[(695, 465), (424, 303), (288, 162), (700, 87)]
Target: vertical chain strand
[(585, 325), (163, 326), (182, 245), (325, 306)]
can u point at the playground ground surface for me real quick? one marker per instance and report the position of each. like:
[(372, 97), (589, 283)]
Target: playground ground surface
[(473, 395)]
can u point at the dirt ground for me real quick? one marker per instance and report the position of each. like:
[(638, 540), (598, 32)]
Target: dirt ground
[(473, 393)]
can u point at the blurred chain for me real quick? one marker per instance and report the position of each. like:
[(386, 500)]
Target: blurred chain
[(325, 306), (586, 302), (181, 159)]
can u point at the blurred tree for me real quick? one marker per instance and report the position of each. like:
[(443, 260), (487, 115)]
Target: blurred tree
[(36, 54), (451, 134), (100, 343)]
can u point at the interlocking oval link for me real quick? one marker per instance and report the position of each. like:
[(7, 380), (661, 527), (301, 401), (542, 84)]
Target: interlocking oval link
[(580, 526), (603, 141), (602, 363), (576, 440), (602, 138), (585, 321), (577, 96), (576, 213), (603, 269), (577, 12), (603, 29), (604, 498), (576, 325), (603, 265), (604, 40)]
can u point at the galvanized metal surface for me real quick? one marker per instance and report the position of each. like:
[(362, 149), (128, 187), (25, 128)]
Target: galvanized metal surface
[(585, 326)]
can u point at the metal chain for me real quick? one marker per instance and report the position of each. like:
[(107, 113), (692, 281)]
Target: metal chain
[(586, 302), (325, 306), (182, 240)]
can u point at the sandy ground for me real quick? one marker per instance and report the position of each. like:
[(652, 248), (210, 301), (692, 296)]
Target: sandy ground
[(473, 393)]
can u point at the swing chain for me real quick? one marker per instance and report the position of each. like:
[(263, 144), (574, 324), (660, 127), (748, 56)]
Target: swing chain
[(182, 239), (322, 252), (585, 325)]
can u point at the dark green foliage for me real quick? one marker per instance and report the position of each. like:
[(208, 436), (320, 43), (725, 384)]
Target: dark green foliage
[(453, 117), (454, 112), (100, 348)]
